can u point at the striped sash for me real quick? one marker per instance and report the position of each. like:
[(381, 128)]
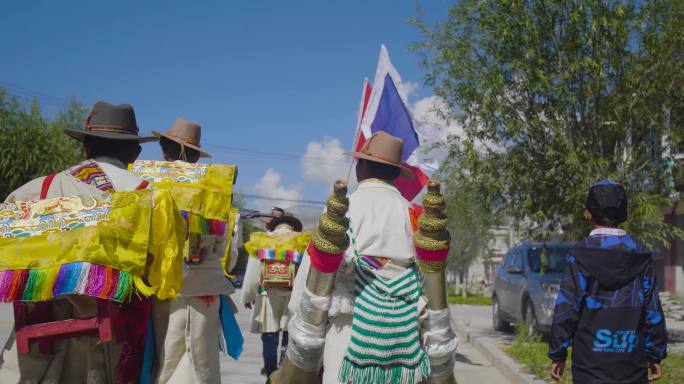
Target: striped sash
[(89, 172), (385, 341)]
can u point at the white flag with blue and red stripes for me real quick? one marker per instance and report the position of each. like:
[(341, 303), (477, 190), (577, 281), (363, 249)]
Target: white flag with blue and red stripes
[(384, 107)]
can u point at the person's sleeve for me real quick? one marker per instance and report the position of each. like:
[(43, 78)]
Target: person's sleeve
[(299, 283), (566, 315), (655, 339), (234, 244), (250, 285)]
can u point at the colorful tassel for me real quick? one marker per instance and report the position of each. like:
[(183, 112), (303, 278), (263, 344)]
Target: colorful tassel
[(279, 254), (198, 224), (79, 278)]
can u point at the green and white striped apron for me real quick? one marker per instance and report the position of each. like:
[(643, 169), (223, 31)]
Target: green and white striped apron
[(385, 340)]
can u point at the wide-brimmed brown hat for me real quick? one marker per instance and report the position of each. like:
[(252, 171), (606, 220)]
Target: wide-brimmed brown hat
[(286, 218), (383, 148), (109, 121), (186, 134)]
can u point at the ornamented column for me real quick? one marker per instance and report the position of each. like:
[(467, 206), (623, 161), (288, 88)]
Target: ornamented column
[(432, 247)]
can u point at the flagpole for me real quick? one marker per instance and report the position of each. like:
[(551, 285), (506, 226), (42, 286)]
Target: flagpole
[(358, 124)]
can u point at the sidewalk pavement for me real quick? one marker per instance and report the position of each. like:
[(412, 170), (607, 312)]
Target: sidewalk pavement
[(473, 324)]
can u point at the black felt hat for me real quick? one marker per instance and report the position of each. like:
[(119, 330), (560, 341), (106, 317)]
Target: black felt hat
[(607, 203), (109, 121), (285, 218)]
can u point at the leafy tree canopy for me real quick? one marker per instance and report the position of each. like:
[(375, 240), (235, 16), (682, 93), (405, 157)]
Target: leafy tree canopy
[(553, 96), (32, 145)]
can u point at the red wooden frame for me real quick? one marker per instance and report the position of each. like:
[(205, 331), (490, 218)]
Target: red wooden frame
[(102, 325)]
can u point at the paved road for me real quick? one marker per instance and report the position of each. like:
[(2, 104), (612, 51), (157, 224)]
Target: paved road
[(471, 366), (246, 370)]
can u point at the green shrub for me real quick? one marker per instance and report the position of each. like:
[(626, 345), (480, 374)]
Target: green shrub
[(531, 351)]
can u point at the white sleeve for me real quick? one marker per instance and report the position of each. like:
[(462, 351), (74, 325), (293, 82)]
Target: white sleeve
[(250, 284), (234, 244), (299, 283)]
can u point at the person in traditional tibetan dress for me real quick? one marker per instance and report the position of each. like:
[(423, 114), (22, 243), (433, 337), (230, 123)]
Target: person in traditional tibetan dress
[(271, 268), (358, 303), (187, 328), (111, 141)]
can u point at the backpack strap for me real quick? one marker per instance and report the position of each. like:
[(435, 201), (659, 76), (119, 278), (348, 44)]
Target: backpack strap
[(46, 185)]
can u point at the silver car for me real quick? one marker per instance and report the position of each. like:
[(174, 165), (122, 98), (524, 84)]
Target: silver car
[(526, 285)]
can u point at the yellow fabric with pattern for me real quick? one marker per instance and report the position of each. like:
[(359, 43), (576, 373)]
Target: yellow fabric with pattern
[(202, 189), (140, 222), (280, 243)]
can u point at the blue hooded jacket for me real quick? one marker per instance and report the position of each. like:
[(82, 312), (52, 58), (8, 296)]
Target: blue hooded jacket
[(608, 310)]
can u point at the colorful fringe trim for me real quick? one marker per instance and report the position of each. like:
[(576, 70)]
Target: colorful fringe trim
[(279, 254), (198, 224), (79, 278)]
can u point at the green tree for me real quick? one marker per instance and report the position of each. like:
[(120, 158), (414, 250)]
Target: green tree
[(555, 95), (470, 221), (33, 146)]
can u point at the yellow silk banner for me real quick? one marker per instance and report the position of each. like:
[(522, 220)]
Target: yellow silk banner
[(277, 242), (139, 234), (201, 189)]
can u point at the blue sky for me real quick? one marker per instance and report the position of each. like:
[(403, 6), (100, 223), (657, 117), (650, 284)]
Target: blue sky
[(260, 76)]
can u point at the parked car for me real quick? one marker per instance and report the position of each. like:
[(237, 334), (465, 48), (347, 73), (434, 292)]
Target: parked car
[(526, 285)]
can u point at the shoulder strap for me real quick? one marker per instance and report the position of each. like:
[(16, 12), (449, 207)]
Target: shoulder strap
[(46, 185)]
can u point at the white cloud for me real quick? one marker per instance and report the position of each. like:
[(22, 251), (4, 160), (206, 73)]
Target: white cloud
[(408, 88), (270, 185), (431, 124), (324, 162), (430, 115), (433, 130)]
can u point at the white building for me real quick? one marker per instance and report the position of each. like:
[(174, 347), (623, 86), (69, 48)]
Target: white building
[(481, 272)]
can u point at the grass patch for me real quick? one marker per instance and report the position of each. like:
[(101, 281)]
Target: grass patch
[(531, 351), (455, 297), (673, 369), (472, 300)]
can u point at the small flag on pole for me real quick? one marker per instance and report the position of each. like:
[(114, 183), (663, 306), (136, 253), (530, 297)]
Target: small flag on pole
[(384, 108)]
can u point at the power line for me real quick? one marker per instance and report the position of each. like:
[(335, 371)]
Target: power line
[(261, 197), (30, 95), (273, 155), (22, 91), (32, 98)]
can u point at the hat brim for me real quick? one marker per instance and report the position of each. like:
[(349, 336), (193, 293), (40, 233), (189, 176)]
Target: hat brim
[(360, 155), (175, 139), (80, 135), (292, 221)]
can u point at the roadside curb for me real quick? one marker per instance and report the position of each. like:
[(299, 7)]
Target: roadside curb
[(501, 361)]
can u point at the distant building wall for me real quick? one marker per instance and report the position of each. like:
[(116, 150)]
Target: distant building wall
[(482, 270), (670, 264)]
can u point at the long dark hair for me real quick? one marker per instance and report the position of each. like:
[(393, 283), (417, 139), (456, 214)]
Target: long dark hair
[(174, 151)]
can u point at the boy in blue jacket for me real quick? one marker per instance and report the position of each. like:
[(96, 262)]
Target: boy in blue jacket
[(608, 308)]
